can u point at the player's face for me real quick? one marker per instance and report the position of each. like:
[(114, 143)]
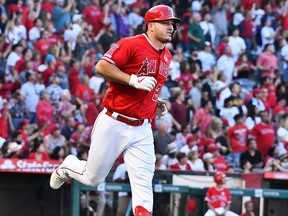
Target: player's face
[(163, 30)]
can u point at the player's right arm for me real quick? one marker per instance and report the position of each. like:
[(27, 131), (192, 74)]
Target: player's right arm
[(113, 73)]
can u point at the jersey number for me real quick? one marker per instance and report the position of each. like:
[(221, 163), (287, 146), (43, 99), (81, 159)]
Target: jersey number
[(157, 92)]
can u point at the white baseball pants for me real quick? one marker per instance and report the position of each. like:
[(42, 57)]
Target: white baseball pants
[(220, 211), (109, 139)]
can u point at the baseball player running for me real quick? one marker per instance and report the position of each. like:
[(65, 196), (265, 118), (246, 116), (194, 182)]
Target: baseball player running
[(218, 198), (136, 68)]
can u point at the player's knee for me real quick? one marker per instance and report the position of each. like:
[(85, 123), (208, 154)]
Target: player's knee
[(141, 211)]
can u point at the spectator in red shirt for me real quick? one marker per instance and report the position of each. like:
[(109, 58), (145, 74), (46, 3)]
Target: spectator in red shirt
[(280, 108), (6, 86), (285, 20), (50, 70), (73, 76), (269, 89), (267, 62), (243, 67), (5, 122), (43, 44), (223, 44), (182, 162), (14, 8), (178, 108), (53, 38), (95, 16), (89, 110), (44, 109), (238, 135), (83, 93), (264, 133), (183, 31), (249, 29), (219, 162), (203, 117), (38, 152), (27, 56), (186, 78), (47, 6)]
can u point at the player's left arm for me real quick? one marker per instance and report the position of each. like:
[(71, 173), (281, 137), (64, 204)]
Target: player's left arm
[(227, 208)]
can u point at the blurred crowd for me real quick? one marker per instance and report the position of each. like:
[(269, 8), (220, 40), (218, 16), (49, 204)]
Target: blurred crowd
[(226, 92)]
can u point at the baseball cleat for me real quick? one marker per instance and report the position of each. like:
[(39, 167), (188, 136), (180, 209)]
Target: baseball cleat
[(57, 179), (58, 176), (141, 211)]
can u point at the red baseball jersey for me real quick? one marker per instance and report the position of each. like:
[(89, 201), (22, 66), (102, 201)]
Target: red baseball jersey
[(265, 136), (136, 55), (218, 197), (94, 16), (238, 135)]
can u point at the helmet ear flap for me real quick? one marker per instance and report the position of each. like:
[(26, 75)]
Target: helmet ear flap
[(175, 27)]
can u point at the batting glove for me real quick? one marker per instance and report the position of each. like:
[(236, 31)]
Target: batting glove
[(146, 83), (162, 108)]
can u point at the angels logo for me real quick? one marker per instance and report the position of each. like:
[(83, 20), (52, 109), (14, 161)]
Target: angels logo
[(148, 67)]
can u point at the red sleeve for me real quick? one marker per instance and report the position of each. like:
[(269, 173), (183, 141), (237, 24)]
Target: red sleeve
[(208, 195), (120, 53)]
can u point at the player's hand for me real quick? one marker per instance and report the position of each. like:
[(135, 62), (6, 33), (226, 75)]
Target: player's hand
[(146, 83), (162, 108)]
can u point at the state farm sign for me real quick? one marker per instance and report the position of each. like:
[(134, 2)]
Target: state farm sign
[(28, 166)]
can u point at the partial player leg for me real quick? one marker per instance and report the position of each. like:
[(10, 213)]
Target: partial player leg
[(140, 162), (106, 146), (210, 213)]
